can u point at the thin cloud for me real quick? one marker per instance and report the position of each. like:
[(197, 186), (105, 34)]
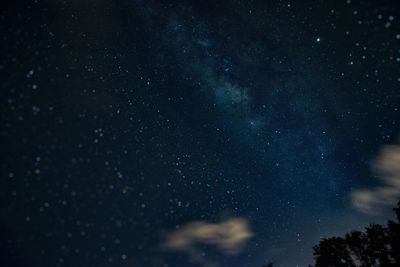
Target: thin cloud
[(229, 237), (387, 166)]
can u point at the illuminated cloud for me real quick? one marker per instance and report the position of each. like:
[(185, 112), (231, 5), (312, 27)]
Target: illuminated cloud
[(229, 237), (387, 167)]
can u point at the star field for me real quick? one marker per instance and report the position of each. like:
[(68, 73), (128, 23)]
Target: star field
[(127, 126)]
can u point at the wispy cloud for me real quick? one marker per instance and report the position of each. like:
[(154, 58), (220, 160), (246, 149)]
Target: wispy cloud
[(387, 166), (228, 236)]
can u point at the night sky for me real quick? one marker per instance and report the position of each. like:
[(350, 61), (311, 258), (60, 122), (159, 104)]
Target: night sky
[(126, 125)]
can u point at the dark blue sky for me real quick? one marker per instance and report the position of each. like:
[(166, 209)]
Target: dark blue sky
[(123, 121)]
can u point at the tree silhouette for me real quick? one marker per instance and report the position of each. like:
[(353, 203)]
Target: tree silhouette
[(356, 244), (377, 246), (333, 252), (394, 236)]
